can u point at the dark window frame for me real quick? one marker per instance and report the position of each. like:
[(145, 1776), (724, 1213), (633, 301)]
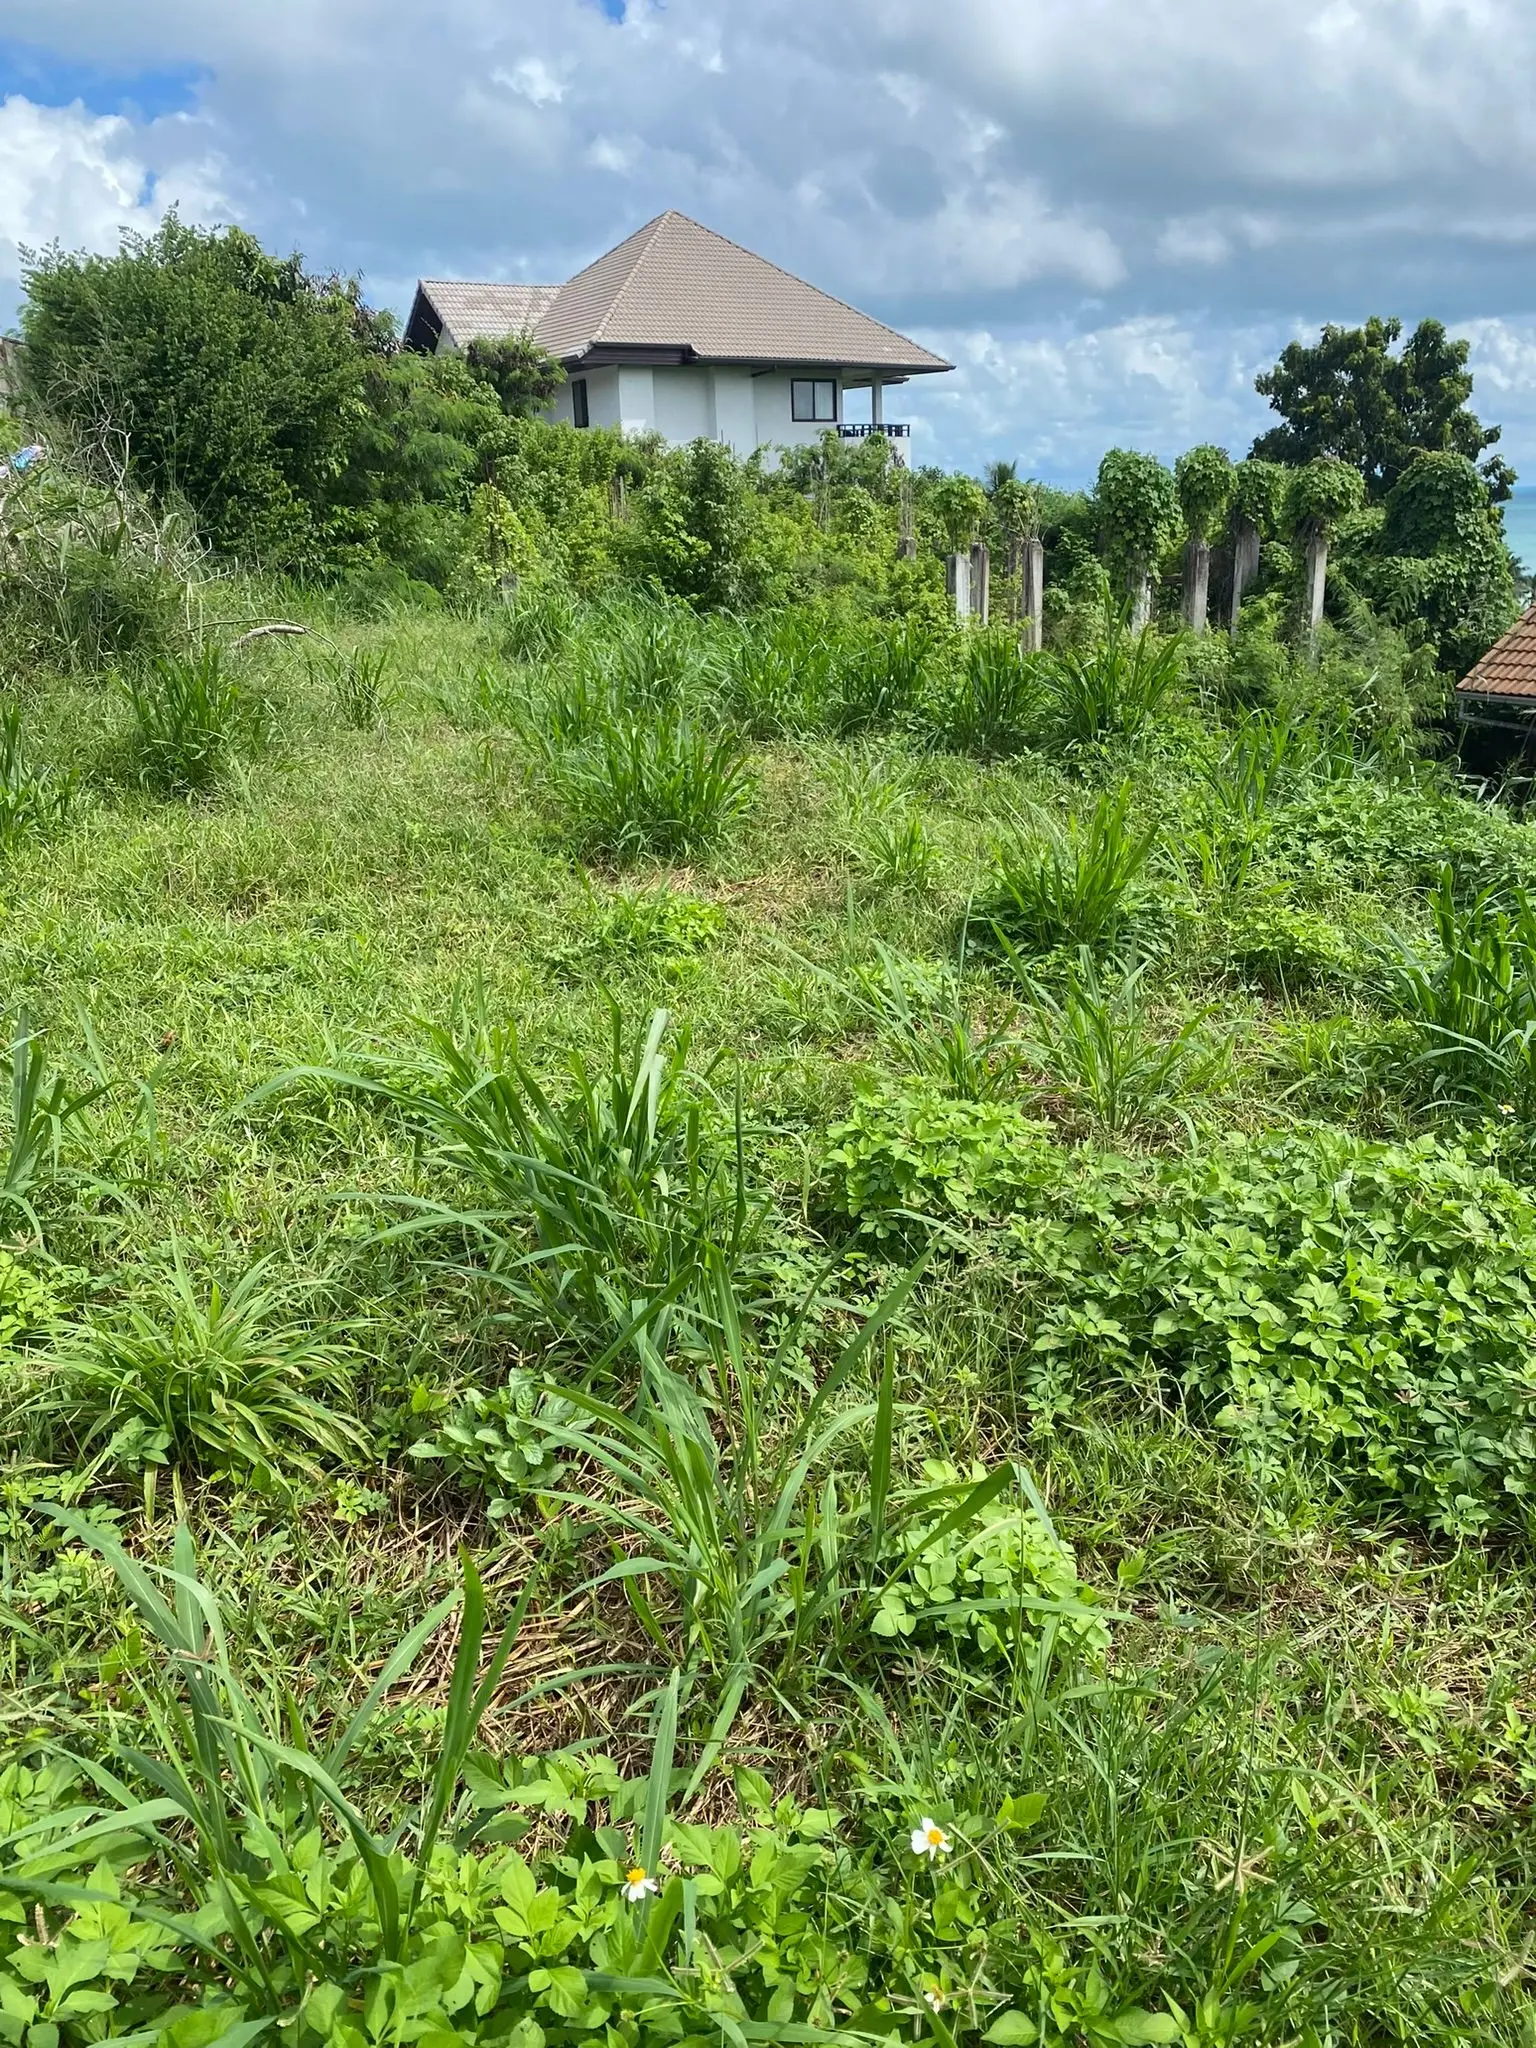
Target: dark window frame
[(815, 417), (580, 413)]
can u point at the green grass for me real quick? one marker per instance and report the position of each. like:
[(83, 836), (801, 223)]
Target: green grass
[(349, 1115)]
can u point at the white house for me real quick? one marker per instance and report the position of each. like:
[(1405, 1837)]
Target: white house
[(680, 331)]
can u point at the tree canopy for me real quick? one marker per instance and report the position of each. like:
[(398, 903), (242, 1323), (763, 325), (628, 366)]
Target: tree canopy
[(1351, 394)]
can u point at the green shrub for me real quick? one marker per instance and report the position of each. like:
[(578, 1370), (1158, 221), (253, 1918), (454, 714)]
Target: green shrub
[(1286, 947), (989, 702), (988, 1589), (28, 1308), (1111, 689), (1369, 1306), (910, 1157), (504, 1444), (1475, 1004)]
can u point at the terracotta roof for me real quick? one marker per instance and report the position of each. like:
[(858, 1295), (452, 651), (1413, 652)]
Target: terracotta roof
[(676, 285), (1508, 669), (468, 311)]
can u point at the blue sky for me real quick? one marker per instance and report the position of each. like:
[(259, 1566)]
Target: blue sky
[(1108, 213)]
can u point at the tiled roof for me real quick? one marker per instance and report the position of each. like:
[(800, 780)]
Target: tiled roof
[(676, 285), (471, 310), (1508, 669)]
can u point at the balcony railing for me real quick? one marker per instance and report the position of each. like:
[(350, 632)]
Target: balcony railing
[(859, 430)]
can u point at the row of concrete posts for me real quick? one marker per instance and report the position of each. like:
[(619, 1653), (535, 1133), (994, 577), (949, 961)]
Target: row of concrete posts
[(968, 579)]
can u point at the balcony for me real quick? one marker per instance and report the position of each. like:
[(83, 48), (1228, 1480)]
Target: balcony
[(859, 430)]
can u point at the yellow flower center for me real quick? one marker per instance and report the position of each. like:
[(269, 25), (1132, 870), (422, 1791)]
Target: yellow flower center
[(936, 1837), (637, 1875)]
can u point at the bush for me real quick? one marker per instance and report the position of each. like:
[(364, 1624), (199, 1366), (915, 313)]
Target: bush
[(910, 1157), (1368, 1306), (1111, 689)]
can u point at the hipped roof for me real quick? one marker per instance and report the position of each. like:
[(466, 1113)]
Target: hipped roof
[(1508, 669), (674, 285)]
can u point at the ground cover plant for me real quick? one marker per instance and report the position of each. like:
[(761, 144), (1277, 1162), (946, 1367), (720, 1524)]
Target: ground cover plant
[(728, 1312)]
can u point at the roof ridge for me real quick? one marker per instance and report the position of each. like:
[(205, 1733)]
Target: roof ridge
[(650, 229), (768, 263)]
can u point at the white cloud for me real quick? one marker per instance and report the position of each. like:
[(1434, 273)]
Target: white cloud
[(533, 79), (79, 178)]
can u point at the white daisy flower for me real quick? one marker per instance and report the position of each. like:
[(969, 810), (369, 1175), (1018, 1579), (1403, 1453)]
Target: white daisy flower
[(639, 1884), (934, 2000), (929, 1839)]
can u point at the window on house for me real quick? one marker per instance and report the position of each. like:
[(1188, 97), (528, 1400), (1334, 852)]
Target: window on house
[(812, 398), (579, 402)]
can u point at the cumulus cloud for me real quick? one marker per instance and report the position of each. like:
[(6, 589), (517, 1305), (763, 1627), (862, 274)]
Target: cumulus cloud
[(1109, 212), (79, 178)]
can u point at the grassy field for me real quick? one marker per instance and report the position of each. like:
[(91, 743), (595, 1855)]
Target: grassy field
[(957, 1258)]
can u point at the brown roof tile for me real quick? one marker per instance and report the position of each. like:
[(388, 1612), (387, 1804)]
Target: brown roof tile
[(470, 311), (676, 285), (1508, 669)]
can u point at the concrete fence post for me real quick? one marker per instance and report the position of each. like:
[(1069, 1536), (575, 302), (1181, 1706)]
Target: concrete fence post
[(981, 581), (1317, 584), (1245, 566), (957, 581), (1033, 597), (1197, 584)]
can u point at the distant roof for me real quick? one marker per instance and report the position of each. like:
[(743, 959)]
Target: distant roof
[(1508, 669), (674, 286), (466, 312)]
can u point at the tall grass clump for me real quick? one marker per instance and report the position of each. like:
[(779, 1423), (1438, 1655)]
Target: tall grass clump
[(1069, 884), (35, 799), (990, 702), (44, 1107), (666, 787), (1475, 1001), (881, 673), (192, 714), (779, 675), (1111, 689), (358, 684), (595, 1203), (234, 1379), (1100, 1051)]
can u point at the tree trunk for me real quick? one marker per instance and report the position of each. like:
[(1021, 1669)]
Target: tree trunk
[(1317, 587), (1033, 587), (1245, 566), (1197, 584), (957, 581), (1141, 600), (981, 581)]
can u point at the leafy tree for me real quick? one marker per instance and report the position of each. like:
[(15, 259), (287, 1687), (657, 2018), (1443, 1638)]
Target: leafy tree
[(1015, 510), (961, 506), (1318, 496), (1348, 395), (1445, 568), (226, 376), (523, 376), (1204, 479), (1257, 504), (693, 532), (1138, 509)]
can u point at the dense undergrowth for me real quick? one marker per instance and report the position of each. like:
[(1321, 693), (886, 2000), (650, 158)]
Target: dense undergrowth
[(755, 1327)]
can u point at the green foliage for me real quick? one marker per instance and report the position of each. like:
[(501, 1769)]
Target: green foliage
[(989, 702), (913, 1157), (359, 684), (1446, 570), (506, 1444), (1069, 884), (1102, 1055), (988, 1589), (922, 1013), (1137, 504), (235, 379), (1475, 1002), (1286, 947), (1322, 493), (693, 529), (1111, 688), (225, 1380), (1204, 478), (1348, 396), (1367, 1306), (781, 675), (882, 673), (28, 1307), (961, 505), (191, 715), (523, 376), (662, 786), (35, 799), (1258, 494), (657, 924)]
